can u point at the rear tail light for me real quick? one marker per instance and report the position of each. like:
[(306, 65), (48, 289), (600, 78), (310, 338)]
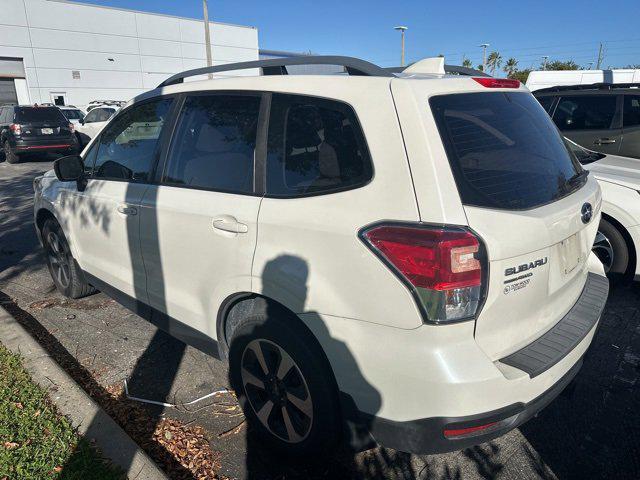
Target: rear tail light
[(16, 128), (442, 266), (490, 82)]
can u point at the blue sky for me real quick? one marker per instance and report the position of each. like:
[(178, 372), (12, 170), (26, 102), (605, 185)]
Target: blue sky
[(526, 30)]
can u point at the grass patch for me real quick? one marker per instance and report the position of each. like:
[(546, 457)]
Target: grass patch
[(35, 440)]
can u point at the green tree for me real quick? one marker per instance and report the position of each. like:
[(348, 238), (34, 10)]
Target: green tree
[(494, 60), (480, 67), (521, 75), (467, 63), (510, 67), (560, 65)]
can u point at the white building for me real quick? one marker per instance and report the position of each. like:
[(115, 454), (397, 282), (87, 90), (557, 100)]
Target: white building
[(58, 51)]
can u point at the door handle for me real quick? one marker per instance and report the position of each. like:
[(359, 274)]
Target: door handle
[(228, 223), (604, 141), (127, 210)]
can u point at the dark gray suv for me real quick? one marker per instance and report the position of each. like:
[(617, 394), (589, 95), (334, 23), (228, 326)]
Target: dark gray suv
[(603, 117), (26, 129)]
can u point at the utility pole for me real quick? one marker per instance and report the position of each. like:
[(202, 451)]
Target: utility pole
[(402, 29), (544, 61), (600, 57), (484, 56), (207, 36)]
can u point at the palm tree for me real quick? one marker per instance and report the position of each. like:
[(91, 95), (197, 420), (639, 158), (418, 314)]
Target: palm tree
[(494, 60), (510, 67), (467, 63)]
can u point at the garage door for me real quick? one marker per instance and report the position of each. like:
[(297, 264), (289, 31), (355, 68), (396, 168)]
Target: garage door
[(7, 91)]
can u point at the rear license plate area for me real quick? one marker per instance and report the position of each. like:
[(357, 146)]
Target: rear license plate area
[(570, 253), (46, 131)]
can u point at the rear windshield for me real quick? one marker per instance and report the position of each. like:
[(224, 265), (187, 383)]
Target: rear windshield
[(504, 150), (39, 114)]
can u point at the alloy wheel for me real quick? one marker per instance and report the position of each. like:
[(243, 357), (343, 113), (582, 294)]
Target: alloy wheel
[(604, 250), (58, 259), (277, 391)]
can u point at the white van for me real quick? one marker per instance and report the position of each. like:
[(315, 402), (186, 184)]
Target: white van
[(553, 78)]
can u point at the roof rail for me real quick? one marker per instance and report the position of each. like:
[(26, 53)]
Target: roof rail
[(588, 86), (277, 66)]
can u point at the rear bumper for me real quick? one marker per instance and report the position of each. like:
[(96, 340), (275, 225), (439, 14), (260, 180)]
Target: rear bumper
[(405, 390), (425, 436)]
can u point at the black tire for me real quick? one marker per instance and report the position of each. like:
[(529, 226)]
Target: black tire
[(9, 155), (270, 332), (65, 271), (611, 248)]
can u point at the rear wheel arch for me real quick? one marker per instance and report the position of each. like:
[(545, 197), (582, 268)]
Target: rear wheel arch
[(241, 305), (631, 266)]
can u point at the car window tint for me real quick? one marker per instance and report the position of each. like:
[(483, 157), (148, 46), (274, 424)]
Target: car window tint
[(40, 114), (631, 117), (546, 102), (127, 145), (504, 150), (99, 115), (314, 146), (589, 112), (73, 114), (214, 143)]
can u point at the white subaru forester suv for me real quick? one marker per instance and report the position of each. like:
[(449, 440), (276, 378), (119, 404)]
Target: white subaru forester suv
[(395, 258)]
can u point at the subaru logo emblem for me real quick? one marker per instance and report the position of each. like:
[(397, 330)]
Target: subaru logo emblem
[(587, 212)]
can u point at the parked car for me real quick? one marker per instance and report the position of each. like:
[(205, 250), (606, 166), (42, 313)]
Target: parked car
[(399, 257), (73, 114), (600, 117), (93, 122), (101, 103), (539, 79), (32, 129), (618, 239)]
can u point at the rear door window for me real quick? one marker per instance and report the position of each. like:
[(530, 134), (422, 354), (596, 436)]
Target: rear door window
[(504, 150), (588, 112), (214, 143), (27, 115), (314, 146)]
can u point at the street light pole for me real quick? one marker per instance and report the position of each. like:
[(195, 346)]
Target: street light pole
[(402, 29), (484, 56), (544, 61), (207, 36)]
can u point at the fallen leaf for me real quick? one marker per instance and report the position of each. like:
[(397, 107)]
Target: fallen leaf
[(11, 445)]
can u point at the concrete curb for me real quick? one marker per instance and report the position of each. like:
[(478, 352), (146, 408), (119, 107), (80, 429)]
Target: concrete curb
[(72, 401)]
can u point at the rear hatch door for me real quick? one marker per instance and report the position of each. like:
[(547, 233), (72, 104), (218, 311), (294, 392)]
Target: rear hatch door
[(42, 123), (529, 200)]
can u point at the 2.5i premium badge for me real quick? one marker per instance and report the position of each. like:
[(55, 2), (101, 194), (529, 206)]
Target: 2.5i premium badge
[(524, 273)]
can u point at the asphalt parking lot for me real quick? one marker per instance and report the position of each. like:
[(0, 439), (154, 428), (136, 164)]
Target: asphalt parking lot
[(591, 431)]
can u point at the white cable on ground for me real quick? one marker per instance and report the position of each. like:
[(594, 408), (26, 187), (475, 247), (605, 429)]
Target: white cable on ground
[(172, 405)]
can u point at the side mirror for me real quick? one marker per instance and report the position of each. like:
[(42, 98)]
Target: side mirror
[(81, 121), (69, 169)]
